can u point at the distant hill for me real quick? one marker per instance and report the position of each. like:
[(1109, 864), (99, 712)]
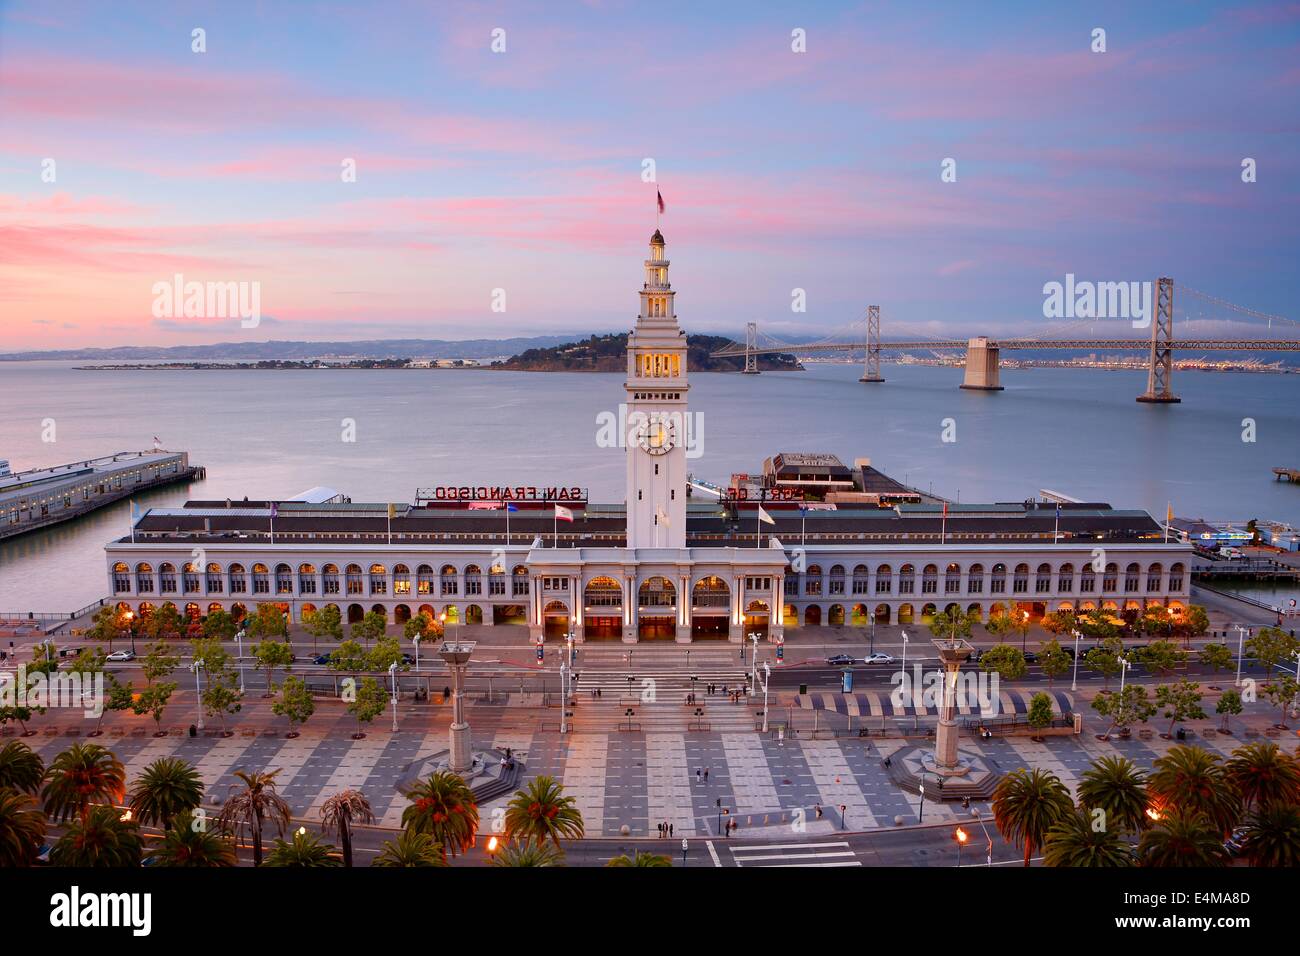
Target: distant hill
[(290, 350), (608, 353)]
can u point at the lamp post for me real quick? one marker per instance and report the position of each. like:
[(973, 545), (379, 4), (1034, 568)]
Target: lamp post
[(198, 692), (1241, 640), (685, 847), (961, 836), (129, 616), (753, 670), (416, 641), (392, 673), (1074, 681), (239, 643), (564, 696), (920, 810), (1024, 630), (767, 677), (989, 850)]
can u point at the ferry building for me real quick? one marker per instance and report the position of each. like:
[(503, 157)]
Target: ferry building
[(670, 563)]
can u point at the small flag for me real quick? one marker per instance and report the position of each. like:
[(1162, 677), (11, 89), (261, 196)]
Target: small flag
[(275, 509), (510, 507), (661, 199), (562, 513), (764, 517), (1169, 514), (392, 511), (945, 509)]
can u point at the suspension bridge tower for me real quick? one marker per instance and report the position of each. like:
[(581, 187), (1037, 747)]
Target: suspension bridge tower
[(1161, 368), (871, 370), (751, 343)]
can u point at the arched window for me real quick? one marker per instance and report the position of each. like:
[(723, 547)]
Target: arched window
[(496, 580), (473, 579), (518, 580), (401, 580), (952, 579), (448, 582), (861, 579), (190, 577), (929, 579), (1176, 577), (1020, 581), (238, 579), (1043, 579), (713, 592), (602, 592), (884, 579), (331, 575), (424, 579), (1154, 574), (812, 579), (998, 579), (1087, 580), (906, 579), (1065, 579), (356, 585), (975, 579), (657, 592), (283, 579), (214, 580), (1109, 577), (836, 582), (143, 579), (1132, 574)]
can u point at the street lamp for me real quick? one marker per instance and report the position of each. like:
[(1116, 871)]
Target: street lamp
[(920, 810), (198, 691), (961, 836), (1241, 640), (564, 695), (130, 631), (989, 849), (1074, 681), (239, 643), (767, 677), (753, 672), (392, 673), (1024, 630), (416, 641), (685, 847)]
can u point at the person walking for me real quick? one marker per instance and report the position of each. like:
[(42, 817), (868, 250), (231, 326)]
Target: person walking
[(698, 772), (670, 831), (706, 774), (660, 828)]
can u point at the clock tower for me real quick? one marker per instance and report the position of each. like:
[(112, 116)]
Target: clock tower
[(656, 414)]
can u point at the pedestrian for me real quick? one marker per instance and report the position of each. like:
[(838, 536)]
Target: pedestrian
[(698, 771), (706, 774), (670, 831), (598, 693), (660, 828), (817, 808)]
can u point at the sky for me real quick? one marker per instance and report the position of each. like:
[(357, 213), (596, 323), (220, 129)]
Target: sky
[(504, 191)]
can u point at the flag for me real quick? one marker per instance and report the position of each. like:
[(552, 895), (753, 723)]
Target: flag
[(275, 509), (562, 513), (135, 512), (510, 507), (1169, 514), (392, 511), (764, 517), (661, 199)]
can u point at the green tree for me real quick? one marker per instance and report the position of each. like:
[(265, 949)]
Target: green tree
[(253, 805), (369, 702), (296, 703), (1193, 781), (106, 626), (20, 715), (1028, 803), (1097, 624), (423, 626), (1007, 661), (1229, 705), (371, 627), (22, 829), (1271, 646), (952, 624), (1115, 786), (220, 626), (1124, 709), (529, 854), (1215, 658), (153, 701), (210, 652), (1058, 622), (305, 849), (1162, 657), (158, 662), (1194, 622), (21, 768), (1181, 701), (384, 654), (443, 807), (100, 838), (541, 812), (269, 623), (350, 658), (410, 849), (119, 699), (1040, 711), (1075, 840), (1281, 692), (268, 656), (189, 843), (163, 624), (80, 777), (1053, 660), (1182, 839), (340, 811), (640, 858), (222, 696), (1262, 773), (1104, 659), (167, 788), (326, 622), (1272, 836)]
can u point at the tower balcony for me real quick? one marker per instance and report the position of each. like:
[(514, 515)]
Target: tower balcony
[(657, 287)]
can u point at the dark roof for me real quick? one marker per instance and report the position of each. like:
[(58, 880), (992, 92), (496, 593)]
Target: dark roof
[(657, 239), (878, 483)]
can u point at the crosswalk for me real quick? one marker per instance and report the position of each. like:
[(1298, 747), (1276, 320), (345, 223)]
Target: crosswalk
[(828, 853), (654, 685)]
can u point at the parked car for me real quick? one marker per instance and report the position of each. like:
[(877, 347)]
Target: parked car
[(408, 659), (120, 656), (1031, 657), (878, 658), (838, 660), (321, 659)]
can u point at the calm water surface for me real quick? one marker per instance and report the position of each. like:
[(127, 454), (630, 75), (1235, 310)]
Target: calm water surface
[(275, 433)]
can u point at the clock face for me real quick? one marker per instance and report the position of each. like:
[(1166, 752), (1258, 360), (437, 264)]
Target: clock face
[(657, 437)]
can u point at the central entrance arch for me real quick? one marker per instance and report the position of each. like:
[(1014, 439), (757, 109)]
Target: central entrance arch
[(710, 609), (656, 610), (602, 617)]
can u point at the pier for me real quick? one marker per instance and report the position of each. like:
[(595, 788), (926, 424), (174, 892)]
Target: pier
[(43, 497), (1287, 474)]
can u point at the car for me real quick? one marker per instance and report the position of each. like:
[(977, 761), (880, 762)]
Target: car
[(879, 657), (407, 659), (1031, 657), (1232, 554), (838, 660), (120, 656), (321, 659)]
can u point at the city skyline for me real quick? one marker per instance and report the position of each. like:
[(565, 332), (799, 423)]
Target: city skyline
[(479, 171)]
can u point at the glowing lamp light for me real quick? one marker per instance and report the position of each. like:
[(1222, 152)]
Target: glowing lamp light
[(493, 844), (302, 831), (961, 836), (1153, 813), (127, 816)]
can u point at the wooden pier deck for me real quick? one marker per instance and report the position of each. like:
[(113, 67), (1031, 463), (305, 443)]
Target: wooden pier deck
[(1290, 474)]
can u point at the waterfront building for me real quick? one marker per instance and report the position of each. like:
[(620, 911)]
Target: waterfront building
[(662, 565)]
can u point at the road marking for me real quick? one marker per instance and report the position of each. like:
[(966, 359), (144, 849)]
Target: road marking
[(797, 856), (713, 853), (787, 846)]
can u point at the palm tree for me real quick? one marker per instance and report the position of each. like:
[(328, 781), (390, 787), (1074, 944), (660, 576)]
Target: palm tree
[(1073, 841), (640, 859), (1182, 839), (444, 808), (541, 812), (410, 850), (1028, 803), (99, 838), (529, 854), (184, 845), (338, 813), (1117, 787), (82, 775), (22, 829), (21, 768), (167, 788), (1190, 780), (1262, 773), (252, 806), (1272, 836), (305, 849)]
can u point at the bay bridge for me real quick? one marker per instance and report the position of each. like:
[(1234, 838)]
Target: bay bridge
[(983, 352)]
